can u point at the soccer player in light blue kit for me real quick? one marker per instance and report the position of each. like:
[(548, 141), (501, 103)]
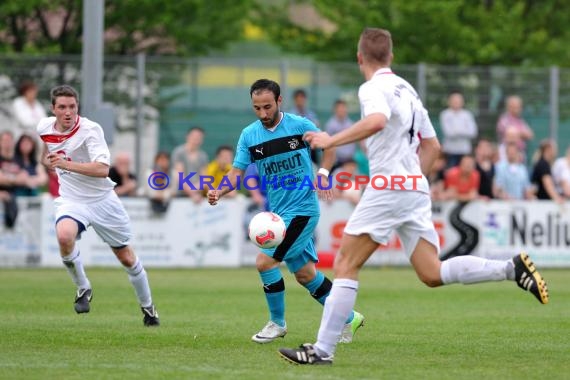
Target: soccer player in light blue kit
[(275, 144)]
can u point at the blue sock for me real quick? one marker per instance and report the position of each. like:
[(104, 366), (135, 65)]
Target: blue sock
[(274, 288), (320, 288)]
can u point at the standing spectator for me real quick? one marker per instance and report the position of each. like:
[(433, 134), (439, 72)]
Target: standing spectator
[(513, 118), (462, 182), (300, 108), (337, 123), (459, 128), (125, 180), (561, 174), (27, 109), (219, 168), (26, 156), (541, 174), (511, 178), (190, 158), (485, 166)]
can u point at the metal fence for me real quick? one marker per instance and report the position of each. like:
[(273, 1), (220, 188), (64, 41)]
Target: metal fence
[(213, 93)]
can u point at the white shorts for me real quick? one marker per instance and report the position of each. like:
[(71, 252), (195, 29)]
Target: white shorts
[(379, 213), (108, 217)]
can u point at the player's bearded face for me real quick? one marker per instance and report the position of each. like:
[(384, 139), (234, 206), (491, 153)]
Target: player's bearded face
[(65, 111), (270, 122), (266, 108)]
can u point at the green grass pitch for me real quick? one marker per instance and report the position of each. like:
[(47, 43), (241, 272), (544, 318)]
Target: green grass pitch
[(489, 331)]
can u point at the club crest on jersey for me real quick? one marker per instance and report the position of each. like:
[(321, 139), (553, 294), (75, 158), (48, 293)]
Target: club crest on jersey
[(293, 144)]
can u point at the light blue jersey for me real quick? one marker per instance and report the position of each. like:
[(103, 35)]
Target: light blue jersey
[(284, 164)]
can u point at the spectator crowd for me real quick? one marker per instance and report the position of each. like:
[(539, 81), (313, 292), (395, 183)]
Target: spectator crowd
[(468, 168)]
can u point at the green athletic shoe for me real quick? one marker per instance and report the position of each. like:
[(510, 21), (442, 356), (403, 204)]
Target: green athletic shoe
[(351, 328)]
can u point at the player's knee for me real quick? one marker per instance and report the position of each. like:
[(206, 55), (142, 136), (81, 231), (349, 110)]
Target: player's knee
[(125, 256), (304, 277), (66, 239), (431, 280), (264, 263)]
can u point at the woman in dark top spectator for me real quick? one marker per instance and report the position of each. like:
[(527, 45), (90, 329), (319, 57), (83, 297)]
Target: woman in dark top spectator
[(541, 175), (485, 167), (25, 155)]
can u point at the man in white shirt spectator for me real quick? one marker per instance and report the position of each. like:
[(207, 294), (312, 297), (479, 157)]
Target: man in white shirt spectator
[(459, 128)]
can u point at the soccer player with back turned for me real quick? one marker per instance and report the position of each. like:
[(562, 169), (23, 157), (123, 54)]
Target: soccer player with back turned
[(75, 147), (392, 114), (275, 144)]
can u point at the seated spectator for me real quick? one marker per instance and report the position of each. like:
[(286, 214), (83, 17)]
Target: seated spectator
[(511, 177), (27, 109), (346, 187), (561, 174), (541, 174), (436, 178), (160, 199), (190, 158), (337, 123), (26, 157), (126, 182), (513, 118), (462, 182), (459, 128), (219, 168), (486, 168)]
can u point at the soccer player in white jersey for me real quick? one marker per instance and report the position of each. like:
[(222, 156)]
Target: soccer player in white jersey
[(75, 147), (392, 114)]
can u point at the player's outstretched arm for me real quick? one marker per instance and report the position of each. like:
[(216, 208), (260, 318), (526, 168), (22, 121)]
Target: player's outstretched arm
[(360, 130)]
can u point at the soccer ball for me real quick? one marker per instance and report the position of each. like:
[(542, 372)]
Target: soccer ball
[(266, 230)]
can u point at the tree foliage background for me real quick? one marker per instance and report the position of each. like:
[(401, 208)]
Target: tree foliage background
[(183, 27), (470, 32)]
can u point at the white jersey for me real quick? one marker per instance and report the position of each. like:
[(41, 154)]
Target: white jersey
[(393, 150), (85, 142)]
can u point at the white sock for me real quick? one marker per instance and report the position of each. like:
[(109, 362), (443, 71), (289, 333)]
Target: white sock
[(137, 277), (473, 269), (338, 306), (75, 269)]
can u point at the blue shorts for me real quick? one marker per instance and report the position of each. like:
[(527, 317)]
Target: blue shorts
[(298, 247)]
